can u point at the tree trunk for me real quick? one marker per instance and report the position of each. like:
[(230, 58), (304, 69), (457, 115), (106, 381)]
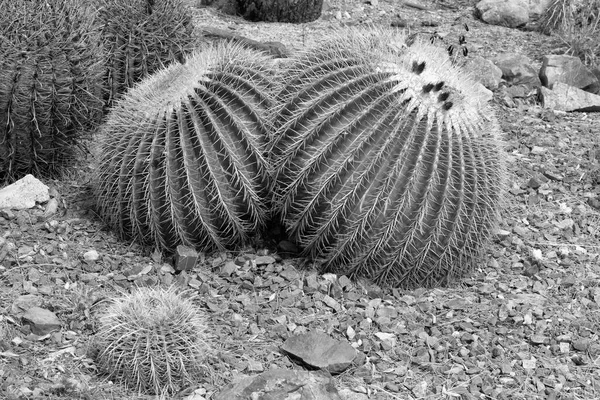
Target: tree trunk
[(295, 11)]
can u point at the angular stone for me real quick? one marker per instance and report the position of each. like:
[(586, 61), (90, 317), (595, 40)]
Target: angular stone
[(185, 258), (280, 384), (41, 321), (24, 303), (510, 13), (517, 69), (484, 71), (563, 97), (566, 69), (24, 193), (320, 351)]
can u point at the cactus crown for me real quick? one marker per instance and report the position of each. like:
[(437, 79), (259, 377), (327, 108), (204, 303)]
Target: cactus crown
[(385, 159), (183, 159)]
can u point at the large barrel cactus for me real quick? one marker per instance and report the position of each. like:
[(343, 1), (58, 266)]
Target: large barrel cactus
[(50, 85), (140, 37), (386, 160), (182, 157)]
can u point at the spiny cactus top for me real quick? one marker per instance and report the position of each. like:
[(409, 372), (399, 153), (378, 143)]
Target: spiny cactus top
[(183, 152), (386, 159)]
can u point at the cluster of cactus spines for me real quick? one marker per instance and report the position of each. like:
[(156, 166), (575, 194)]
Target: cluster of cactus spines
[(182, 160), (140, 37), (153, 340), (385, 160), (50, 85)]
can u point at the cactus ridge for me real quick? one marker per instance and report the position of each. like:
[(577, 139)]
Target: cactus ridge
[(182, 160), (386, 160)]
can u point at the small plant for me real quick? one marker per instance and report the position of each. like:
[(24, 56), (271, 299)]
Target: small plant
[(577, 25), (153, 340), (50, 85), (182, 156), (386, 160), (141, 37)]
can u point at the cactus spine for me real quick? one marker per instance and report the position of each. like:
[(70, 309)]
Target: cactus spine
[(50, 85), (386, 160), (183, 153)]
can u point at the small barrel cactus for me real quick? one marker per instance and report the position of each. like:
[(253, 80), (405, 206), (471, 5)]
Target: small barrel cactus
[(140, 37), (182, 158), (50, 85), (153, 340), (386, 160)]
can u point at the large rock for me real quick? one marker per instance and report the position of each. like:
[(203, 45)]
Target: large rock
[(517, 69), (566, 69), (484, 71), (510, 13), (281, 384), (563, 97), (24, 193), (320, 351), (537, 8)]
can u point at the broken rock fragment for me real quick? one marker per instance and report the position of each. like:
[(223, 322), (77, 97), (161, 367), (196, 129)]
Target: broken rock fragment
[(318, 350)]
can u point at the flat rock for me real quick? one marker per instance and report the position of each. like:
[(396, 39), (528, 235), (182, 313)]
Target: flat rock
[(566, 69), (320, 351), (281, 384), (41, 321), (563, 97), (517, 69), (510, 13), (24, 193), (264, 260)]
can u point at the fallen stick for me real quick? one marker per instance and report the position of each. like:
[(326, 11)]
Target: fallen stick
[(276, 49)]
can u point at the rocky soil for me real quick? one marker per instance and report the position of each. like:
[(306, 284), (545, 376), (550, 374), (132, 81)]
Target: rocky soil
[(523, 325)]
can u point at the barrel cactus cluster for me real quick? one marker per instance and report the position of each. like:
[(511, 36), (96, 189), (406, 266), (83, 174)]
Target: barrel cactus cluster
[(50, 85), (183, 154), (381, 159), (385, 158)]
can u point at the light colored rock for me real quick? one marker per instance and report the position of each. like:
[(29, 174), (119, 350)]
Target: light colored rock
[(568, 98), (24, 193), (281, 384), (537, 8), (24, 303), (566, 69), (517, 69), (510, 13), (484, 71), (41, 321), (91, 256), (320, 351)]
